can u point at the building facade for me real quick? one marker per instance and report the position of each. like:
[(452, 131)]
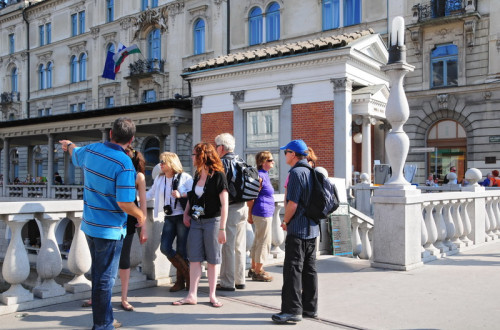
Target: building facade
[(53, 53)]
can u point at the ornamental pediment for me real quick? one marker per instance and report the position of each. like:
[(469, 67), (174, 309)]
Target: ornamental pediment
[(45, 56), (78, 47)]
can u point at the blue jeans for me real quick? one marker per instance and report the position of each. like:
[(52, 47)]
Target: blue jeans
[(105, 255), (174, 227)]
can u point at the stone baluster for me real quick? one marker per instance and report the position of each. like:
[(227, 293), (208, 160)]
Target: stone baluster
[(366, 253), (450, 226), (357, 245), (16, 265), (79, 260), (424, 235), (278, 235), (440, 227), (466, 221), (459, 227), (48, 261), (489, 221), (431, 230), (494, 219)]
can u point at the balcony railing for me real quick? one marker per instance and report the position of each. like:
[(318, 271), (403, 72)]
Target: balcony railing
[(440, 8), (141, 67)]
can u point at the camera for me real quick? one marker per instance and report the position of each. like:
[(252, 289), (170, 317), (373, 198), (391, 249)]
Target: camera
[(167, 209), (197, 212)]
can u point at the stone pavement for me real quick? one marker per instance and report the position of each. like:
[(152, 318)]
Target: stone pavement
[(458, 292)]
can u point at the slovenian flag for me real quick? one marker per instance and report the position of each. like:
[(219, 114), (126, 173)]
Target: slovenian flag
[(122, 54)]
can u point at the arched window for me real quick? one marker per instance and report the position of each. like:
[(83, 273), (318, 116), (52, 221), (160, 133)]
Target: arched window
[(74, 69), (49, 75), (273, 22), (110, 48), (449, 139), (199, 37), (331, 14), (13, 80), (154, 45), (83, 67), (444, 66), (352, 12), (255, 26), (41, 76)]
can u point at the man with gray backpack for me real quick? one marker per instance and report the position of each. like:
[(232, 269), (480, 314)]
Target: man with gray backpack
[(243, 185)]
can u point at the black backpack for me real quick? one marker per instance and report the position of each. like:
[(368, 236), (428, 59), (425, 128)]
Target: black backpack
[(324, 198), (243, 180), (175, 186)]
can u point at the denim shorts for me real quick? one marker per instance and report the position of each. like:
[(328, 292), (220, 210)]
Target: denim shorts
[(202, 241)]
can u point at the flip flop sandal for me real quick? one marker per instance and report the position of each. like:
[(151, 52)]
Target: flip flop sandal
[(182, 302), (216, 304), (127, 307)]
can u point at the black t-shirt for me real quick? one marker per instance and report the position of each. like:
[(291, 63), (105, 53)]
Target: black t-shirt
[(210, 200)]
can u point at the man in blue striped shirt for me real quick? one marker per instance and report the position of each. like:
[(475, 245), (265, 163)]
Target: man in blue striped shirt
[(109, 195), (299, 295)]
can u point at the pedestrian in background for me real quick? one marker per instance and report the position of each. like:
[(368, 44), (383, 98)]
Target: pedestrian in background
[(260, 214)]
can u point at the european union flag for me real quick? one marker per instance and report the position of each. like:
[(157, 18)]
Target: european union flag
[(109, 67)]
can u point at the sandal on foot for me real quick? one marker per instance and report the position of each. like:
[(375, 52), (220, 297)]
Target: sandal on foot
[(182, 302), (87, 303), (126, 306), (216, 304)]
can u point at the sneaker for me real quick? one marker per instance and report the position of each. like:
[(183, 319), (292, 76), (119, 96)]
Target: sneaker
[(262, 277), (251, 272)]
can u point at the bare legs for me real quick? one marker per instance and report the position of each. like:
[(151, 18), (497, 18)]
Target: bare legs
[(124, 277), (195, 275)]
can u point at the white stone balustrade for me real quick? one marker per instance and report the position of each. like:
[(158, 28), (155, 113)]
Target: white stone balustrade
[(361, 226)]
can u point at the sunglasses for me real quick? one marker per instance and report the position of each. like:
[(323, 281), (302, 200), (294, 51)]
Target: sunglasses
[(270, 160), (287, 151)]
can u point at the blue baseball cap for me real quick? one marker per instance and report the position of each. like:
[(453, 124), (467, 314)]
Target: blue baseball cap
[(297, 146)]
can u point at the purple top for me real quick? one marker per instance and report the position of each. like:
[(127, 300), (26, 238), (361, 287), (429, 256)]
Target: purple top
[(264, 204)]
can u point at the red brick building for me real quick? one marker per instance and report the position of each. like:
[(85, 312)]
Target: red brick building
[(319, 90)]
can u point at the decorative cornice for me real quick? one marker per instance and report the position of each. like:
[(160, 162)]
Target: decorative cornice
[(109, 36), (197, 11), (149, 18), (78, 47), (11, 29), (44, 57), (78, 7), (126, 22)]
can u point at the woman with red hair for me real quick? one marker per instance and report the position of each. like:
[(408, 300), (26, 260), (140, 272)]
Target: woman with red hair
[(494, 180), (206, 215)]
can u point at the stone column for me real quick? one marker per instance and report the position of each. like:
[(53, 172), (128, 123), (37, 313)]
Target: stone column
[(31, 160), (16, 265), (285, 130), (79, 260), (197, 104), (173, 137), (50, 166), (48, 261), (366, 158), (238, 96), (6, 163), (342, 97)]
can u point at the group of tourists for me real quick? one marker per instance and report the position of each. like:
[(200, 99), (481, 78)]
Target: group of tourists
[(205, 214)]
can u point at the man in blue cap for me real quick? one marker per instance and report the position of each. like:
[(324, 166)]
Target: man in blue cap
[(299, 295)]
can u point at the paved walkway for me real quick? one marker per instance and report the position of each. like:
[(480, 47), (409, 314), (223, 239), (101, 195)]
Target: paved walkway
[(458, 292)]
